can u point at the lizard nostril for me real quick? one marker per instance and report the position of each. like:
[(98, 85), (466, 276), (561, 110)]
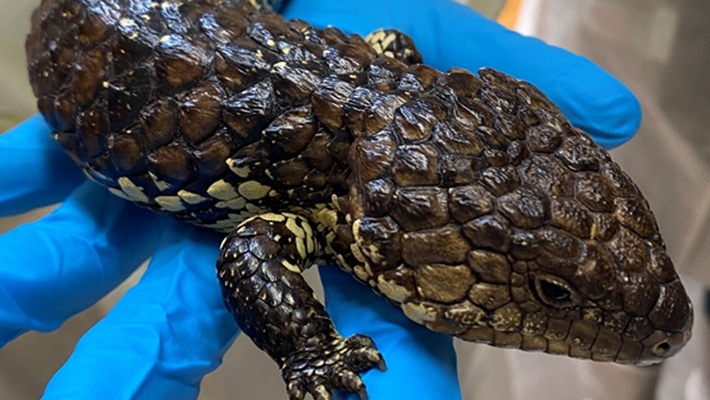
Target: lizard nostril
[(661, 349)]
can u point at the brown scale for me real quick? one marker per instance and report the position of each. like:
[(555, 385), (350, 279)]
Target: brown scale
[(468, 201)]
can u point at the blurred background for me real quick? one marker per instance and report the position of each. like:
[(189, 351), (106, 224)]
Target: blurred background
[(658, 48)]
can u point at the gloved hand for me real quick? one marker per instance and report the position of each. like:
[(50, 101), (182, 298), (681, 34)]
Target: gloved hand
[(171, 329)]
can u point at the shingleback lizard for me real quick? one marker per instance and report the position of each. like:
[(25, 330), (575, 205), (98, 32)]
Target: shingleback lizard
[(469, 201)]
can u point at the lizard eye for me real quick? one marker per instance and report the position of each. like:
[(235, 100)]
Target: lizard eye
[(553, 291)]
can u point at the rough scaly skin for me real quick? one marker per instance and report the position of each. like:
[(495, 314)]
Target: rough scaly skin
[(468, 201)]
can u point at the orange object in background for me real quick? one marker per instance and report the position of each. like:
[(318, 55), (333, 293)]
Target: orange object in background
[(508, 16)]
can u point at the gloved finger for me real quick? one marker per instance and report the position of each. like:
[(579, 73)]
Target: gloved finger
[(55, 267), (421, 364), (449, 34), (34, 171), (163, 336)]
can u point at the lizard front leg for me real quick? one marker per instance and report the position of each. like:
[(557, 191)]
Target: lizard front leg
[(259, 270)]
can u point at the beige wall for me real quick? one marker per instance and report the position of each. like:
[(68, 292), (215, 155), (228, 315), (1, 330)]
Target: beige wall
[(16, 100)]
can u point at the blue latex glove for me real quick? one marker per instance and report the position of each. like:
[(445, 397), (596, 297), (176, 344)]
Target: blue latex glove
[(171, 329)]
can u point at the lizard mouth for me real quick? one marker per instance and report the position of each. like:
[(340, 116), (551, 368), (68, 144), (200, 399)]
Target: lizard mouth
[(589, 340), (616, 348)]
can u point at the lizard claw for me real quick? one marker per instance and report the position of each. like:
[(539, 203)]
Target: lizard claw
[(320, 368)]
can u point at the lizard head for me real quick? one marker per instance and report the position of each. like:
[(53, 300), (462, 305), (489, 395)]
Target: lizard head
[(504, 224), (611, 294), (594, 285)]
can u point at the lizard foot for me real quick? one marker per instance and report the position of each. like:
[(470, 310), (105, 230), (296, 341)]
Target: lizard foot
[(335, 365)]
